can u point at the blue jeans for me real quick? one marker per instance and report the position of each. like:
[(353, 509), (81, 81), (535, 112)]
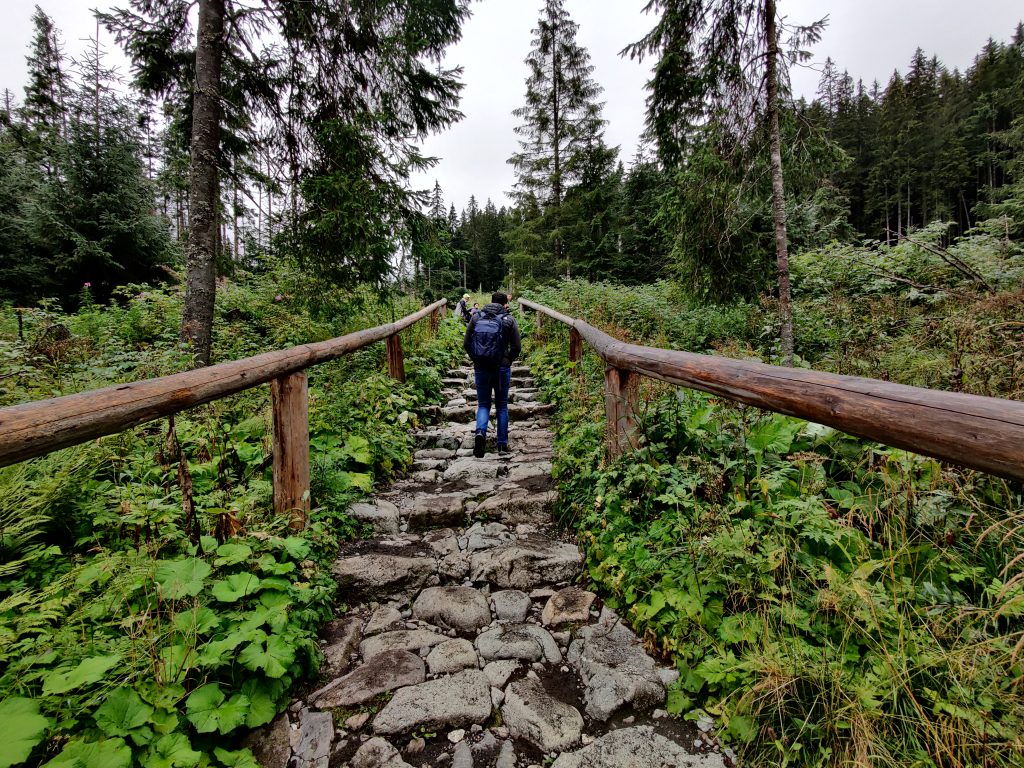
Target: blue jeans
[(496, 380)]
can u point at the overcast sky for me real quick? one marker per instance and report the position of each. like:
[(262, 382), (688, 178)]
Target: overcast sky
[(870, 38)]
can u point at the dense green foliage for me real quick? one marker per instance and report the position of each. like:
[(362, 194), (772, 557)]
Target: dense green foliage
[(562, 164), (877, 161), (833, 601), (152, 607), (76, 205)]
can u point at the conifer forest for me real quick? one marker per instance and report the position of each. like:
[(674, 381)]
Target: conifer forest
[(762, 502)]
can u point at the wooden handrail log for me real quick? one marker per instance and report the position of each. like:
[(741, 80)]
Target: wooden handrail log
[(33, 429), (985, 433)]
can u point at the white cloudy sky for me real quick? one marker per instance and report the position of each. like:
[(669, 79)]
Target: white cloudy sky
[(870, 38)]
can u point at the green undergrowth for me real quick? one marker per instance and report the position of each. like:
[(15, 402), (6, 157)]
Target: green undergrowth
[(152, 607), (833, 601)]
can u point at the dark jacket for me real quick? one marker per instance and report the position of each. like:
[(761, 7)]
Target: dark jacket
[(513, 343)]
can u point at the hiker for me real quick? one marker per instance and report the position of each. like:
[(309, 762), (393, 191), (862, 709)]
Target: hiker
[(475, 309), (461, 310), (492, 340)]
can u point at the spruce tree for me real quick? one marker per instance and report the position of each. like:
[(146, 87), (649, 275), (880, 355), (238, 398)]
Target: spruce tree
[(341, 89), (44, 110), (560, 123), (720, 61)]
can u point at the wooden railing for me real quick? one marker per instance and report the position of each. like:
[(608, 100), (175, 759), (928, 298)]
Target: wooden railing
[(985, 433), (36, 428)]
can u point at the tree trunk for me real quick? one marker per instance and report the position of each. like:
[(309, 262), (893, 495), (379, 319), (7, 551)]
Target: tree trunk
[(197, 318), (556, 136), (778, 191)]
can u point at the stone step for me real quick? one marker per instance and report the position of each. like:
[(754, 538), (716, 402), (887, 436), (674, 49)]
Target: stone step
[(516, 411), (464, 643)]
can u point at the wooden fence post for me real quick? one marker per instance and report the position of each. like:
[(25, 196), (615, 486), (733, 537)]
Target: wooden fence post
[(290, 398), (575, 346), (619, 397), (540, 324), (396, 362), (435, 319)]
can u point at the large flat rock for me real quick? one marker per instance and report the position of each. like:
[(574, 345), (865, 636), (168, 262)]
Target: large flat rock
[(384, 672), (531, 713), (518, 505), (526, 642), (616, 670), (527, 563), (448, 702), (463, 609), (380, 515), (436, 510), (382, 574), (638, 747), (399, 640), (452, 656), (342, 640), (378, 753), (571, 604)]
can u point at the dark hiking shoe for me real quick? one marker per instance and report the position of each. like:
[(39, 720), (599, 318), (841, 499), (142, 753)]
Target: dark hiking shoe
[(479, 443), (503, 449)]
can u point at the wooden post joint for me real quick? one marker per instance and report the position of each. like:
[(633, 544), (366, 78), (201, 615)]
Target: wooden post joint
[(575, 346), (289, 396), (396, 361), (619, 404)]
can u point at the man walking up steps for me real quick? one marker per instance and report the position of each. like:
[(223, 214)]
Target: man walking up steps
[(493, 342)]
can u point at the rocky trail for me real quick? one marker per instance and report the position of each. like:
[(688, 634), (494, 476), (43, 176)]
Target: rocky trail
[(467, 644)]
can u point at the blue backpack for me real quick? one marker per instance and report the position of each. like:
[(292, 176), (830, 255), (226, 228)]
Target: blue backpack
[(487, 342)]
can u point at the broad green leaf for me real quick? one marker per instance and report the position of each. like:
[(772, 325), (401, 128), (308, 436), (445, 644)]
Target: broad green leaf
[(182, 578), (21, 728), (106, 753), (263, 695), (198, 621), (275, 601), (162, 696), (171, 751), (275, 582), (296, 547), (177, 659), (742, 727), (650, 609), (232, 713), (164, 721), (235, 587), (357, 448), (737, 629), (268, 564), (122, 712), (242, 758), (202, 707), (273, 657), (232, 553), (218, 652), (677, 702), (89, 671), (774, 435), (360, 480)]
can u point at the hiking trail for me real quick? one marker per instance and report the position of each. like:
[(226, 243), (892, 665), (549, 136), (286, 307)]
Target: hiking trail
[(466, 643)]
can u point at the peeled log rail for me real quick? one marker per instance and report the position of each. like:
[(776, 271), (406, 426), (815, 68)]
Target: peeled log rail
[(985, 433), (36, 428)]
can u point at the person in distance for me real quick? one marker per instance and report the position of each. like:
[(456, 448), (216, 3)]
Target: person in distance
[(493, 342)]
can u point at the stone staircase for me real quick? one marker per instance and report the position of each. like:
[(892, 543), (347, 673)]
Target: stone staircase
[(466, 643)]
